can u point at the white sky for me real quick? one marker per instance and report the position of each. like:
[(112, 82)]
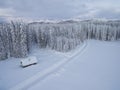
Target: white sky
[(61, 9)]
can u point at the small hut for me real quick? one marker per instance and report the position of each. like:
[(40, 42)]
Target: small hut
[(28, 61)]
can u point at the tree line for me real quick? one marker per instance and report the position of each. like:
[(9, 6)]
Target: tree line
[(17, 38)]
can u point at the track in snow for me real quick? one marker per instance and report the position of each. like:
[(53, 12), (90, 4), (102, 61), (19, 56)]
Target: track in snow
[(97, 68), (41, 75)]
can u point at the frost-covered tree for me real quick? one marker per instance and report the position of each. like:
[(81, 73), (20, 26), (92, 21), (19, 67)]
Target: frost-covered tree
[(4, 41), (17, 38)]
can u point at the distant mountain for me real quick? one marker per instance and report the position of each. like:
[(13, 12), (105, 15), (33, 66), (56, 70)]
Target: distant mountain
[(75, 21), (5, 19)]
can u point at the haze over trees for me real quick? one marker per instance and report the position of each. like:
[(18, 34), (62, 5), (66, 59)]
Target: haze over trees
[(17, 38)]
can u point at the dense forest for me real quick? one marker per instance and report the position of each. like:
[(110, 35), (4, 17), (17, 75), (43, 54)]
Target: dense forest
[(17, 38)]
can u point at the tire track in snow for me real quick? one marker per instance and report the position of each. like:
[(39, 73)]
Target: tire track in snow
[(41, 75)]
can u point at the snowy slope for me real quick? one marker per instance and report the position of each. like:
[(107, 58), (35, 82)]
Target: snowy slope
[(97, 68)]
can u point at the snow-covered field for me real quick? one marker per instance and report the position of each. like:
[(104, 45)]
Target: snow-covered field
[(97, 68), (12, 73), (94, 66)]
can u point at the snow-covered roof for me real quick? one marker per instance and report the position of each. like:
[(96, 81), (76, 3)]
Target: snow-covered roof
[(28, 61)]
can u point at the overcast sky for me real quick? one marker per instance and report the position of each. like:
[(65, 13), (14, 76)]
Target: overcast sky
[(61, 9)]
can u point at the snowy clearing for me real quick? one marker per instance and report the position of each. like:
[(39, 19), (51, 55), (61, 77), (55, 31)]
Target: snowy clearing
[(92, 66), (97, 68), (13, 72)]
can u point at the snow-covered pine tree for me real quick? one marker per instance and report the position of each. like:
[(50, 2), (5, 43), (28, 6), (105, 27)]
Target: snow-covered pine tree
[(4, 41), (19, 39)]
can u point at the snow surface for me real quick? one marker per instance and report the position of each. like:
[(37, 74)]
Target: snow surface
[(96, 68), (13, 74), (41, 75)]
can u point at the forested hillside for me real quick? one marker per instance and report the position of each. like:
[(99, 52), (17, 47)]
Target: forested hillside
[(17, 38)]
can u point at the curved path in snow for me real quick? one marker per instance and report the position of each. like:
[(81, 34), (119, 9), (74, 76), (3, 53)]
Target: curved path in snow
[(41, 75), (96, 68)]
